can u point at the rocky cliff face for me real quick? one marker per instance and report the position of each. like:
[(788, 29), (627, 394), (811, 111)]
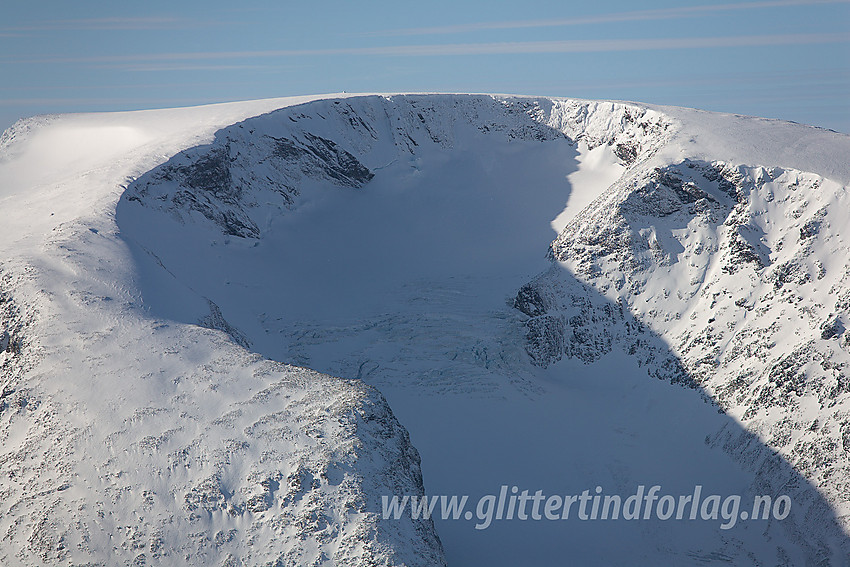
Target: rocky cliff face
[(271, 160), (725, 278), (742, 271), (265, 169)]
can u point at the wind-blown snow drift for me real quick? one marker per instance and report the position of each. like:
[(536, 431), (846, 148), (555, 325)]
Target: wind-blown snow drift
[(403, 240)]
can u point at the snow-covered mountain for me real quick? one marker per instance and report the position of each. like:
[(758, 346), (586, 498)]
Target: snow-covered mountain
[(514, 274)]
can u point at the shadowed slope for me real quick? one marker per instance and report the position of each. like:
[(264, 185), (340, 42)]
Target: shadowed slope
[(386, 238)]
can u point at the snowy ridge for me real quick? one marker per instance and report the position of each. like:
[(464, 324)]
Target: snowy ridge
[(131, 440), (729, 265), (271, 160), (744, 270), (401, 240), (258, 173), (228, 438)]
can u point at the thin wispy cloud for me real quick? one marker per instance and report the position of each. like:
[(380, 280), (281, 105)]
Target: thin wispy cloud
[(604, 45), (617, 17), (155, 68), (136, 86), (824, 79), (110, 24), (453, 49), (100, 102)]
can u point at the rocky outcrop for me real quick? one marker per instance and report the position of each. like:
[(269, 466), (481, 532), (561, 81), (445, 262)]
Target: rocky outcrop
[(276, 159), (218, 458), (220, 182), (741, 271)]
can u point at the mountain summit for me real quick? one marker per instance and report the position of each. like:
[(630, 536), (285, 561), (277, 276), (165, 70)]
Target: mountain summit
[(207, 314)]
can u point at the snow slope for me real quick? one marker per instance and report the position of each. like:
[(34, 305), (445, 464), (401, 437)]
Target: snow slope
[(513, 273), (131, 439)]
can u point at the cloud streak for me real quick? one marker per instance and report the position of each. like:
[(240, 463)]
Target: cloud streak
[(109, 24), (605, 45), (454, 49), (638, 15), (100, 102), (160, 67)]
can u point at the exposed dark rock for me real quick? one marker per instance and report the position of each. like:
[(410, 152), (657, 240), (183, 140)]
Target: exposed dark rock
[(741, 253), (811, 228), (831, 328), (215, 320), (790, 272), (339, 164), (211, 172), (627, 152), (545, 339), (529, 301)]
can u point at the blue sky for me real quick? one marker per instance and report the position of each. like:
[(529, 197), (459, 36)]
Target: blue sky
[(786, 59)]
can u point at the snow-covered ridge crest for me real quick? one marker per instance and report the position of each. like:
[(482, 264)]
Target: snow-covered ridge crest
[(133, 439), (18, 132), (266, 462), (289, 159), (272, 159), (742, 270), (166, 443)]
